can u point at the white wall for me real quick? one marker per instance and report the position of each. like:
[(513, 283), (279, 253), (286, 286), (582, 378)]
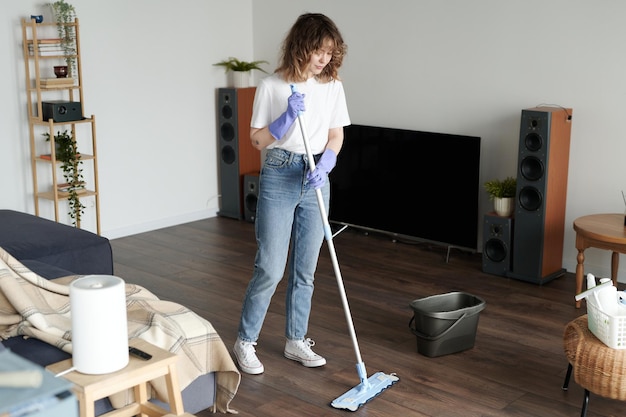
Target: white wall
[(449, 66), (470, 67), (149, 79)]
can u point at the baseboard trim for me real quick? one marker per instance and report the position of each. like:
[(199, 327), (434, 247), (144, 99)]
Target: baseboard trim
[(159, 224)]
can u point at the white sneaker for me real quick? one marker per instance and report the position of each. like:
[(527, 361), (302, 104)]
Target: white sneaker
[(246, 357), (300, 351)]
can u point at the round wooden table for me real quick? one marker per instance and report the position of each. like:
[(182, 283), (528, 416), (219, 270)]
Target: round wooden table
[(602, 231)]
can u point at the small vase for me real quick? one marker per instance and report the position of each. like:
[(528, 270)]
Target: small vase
[(60, 71), (241, 79), (503, 206)]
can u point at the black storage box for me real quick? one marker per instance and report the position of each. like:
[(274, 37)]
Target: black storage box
[(445, 323)]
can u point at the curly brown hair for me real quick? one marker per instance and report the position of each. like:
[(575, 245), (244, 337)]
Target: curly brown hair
[(307, 35)]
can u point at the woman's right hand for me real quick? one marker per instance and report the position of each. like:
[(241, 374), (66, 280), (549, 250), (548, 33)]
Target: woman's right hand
[(295, 104)]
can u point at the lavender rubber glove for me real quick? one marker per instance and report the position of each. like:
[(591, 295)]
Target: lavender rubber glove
[(295, 104), (327, 162)]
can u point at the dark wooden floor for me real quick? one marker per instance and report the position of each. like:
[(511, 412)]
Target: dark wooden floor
[(516, 367)]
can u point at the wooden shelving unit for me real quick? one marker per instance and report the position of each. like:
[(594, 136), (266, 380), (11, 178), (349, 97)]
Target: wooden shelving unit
[(38, 68)]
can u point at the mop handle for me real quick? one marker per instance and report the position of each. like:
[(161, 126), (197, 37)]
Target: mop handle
[(320, 201), (329, 240), (592, 290)]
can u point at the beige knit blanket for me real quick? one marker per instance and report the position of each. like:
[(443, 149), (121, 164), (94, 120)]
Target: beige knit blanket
[(32, 306)]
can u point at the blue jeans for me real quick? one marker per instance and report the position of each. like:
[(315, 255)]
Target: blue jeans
[(288, 222)]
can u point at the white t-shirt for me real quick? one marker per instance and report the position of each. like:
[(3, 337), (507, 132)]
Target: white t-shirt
[(325, 105)]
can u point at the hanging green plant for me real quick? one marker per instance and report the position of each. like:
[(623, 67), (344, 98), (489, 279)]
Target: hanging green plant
[(66, 152), (65, 14)]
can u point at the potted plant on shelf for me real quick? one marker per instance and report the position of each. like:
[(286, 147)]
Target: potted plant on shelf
[(67, 154), (65, 14), (502, 193), (241, 70)]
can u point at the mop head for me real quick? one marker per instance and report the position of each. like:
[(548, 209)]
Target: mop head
[(365, 391)]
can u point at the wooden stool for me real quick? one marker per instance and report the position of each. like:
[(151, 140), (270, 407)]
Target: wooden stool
[(90, 388), (597, 368)]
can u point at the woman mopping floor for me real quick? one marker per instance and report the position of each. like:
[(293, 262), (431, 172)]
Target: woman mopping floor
[(288, 225)]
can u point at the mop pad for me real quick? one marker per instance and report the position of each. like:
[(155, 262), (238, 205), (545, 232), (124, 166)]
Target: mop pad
[(365, 391)]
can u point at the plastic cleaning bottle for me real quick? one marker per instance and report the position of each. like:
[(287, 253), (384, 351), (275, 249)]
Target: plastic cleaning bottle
[(621, 299), (591, 281), (607, 298)]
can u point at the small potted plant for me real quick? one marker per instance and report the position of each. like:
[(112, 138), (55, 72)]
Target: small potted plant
[(241, 70), (502, 193), (67, 154)]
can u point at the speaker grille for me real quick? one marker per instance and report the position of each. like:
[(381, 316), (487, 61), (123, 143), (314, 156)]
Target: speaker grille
[(530, 199), (227, 110), (251, 201), (531, 168), (496, 250), (228, 155), (227, 132), (533, 141)]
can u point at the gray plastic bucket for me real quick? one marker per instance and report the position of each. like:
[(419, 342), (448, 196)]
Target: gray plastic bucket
[(445, 323)]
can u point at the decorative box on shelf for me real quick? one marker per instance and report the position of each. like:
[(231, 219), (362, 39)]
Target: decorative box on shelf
[(57, 82)]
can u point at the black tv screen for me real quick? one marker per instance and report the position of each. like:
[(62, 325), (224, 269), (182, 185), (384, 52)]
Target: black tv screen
[(420, 185)]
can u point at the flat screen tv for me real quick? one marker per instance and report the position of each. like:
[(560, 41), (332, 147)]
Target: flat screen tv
[(412, 184)]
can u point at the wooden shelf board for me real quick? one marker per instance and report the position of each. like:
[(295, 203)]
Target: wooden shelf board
[(83, 157), (38, 121), (49, 195)]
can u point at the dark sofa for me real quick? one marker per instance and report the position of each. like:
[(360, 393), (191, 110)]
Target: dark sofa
[(54, 250)]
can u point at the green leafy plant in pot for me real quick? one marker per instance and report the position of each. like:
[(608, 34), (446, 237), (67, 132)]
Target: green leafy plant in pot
[(66, 152), (241, 69), (65, 14), (502, 193)]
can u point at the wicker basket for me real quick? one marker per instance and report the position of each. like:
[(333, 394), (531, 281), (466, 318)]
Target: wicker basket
[(610, 329), (596, 367)]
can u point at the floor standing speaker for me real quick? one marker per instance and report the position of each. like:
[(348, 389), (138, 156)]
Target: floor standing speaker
[(497, 244), (250, 196), (541, 194), (237, 157)]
